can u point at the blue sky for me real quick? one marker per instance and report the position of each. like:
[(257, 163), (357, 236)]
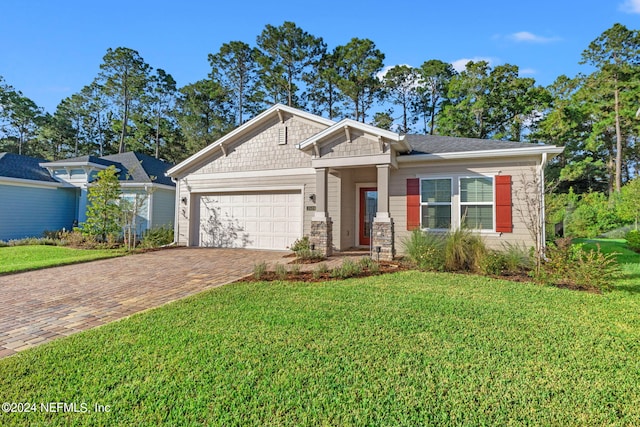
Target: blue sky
[(51, 49)]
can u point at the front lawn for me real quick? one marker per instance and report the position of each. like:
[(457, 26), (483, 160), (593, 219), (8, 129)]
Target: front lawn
[(408, 348), (30, 257)]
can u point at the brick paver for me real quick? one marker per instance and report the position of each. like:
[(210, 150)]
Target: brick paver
[(40, 306)]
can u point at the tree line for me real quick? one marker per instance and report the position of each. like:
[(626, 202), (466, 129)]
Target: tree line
[(132, 106)]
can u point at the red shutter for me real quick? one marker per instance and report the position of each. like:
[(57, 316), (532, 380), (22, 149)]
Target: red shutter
[(504, 223), (413, 203)]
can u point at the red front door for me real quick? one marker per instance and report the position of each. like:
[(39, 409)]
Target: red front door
[(368, 207)]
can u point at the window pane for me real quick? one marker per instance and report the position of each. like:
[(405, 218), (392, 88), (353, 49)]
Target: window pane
[(436, 217), (436, 190), (477, 217), (476, 190)]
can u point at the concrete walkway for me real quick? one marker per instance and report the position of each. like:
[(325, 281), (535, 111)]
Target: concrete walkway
[(40, 306)]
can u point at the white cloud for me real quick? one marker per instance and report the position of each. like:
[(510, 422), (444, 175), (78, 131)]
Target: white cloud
[(527, 37), (527, 71), (380, 75), (460, 64), (630, 6)]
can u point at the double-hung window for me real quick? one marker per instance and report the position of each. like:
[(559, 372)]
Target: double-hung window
[(435, 201), (476, 203)]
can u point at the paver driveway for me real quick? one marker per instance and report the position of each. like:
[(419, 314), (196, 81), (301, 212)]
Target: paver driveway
[(42, 305)]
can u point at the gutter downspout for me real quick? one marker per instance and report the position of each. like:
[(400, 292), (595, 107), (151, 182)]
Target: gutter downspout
[(543, 162), (175, 214)]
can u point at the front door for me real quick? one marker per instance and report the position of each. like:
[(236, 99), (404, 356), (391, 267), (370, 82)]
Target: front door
[(368, 208)]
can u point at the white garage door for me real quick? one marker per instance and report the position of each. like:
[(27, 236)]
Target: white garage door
[(259, 220)]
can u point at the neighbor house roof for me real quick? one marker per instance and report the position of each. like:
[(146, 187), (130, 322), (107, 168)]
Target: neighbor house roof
[(133, 167), (138, 167), (23, 167)]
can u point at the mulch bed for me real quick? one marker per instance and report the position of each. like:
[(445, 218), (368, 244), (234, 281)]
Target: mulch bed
[(385, 267)]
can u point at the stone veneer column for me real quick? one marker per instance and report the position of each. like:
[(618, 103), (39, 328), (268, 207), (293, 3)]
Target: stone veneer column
[(321, 224), (320, 236), (383, 233), (383, 237)]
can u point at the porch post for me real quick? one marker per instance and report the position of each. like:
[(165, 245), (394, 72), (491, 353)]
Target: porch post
[(383, 191), (321, 224), (383, 233)]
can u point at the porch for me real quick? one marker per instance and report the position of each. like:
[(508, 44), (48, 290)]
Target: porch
[(352, 210)]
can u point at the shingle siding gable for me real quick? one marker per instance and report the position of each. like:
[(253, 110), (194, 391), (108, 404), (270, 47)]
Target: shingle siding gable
[(260, 149)]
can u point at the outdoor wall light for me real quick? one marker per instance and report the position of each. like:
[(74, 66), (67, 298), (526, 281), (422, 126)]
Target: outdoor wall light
[(184, 200), (312, 197), (313, 246)]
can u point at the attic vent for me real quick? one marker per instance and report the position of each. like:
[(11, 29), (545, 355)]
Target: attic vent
[(282, 135)]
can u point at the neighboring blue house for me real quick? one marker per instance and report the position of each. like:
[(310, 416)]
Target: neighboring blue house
[(37, 195)]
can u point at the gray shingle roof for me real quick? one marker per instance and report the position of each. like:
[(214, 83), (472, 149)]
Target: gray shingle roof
[(23, 167), (436, 144), (138, 167), (82, 159), (134, 167)]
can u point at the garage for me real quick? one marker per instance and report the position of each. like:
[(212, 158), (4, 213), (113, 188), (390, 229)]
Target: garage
[(253, 219)]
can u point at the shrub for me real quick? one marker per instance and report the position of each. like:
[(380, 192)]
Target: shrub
[(320, 270), (301, 244), (302, 249), (367, 263), (295, 269), (33, 241), (76, 239), (259, 270), (425, 250), (571, 265), (493, 263), (463, 251), (633, 240), (156, 237), (517, 258), (281, 271), (346, 270), (593, 215), (309, 255)]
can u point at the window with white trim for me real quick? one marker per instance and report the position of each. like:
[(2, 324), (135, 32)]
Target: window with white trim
[(435, 203), (476, 203)]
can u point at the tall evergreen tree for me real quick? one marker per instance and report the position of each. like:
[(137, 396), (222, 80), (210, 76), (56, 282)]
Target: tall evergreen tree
[(203, 114), (358, 64), (235, 67), (286, 53), (616, 55), (400, 84), (124, 78), (322, 95), (431, 93)]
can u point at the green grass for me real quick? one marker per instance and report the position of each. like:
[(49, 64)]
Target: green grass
[(23, 258), (629, 261), (408, 349)]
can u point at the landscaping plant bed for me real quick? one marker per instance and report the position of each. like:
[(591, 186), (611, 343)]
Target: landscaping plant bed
[(322, 272)]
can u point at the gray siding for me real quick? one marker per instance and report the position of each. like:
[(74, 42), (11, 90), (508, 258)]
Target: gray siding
[(164, 205), (29, 211)]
